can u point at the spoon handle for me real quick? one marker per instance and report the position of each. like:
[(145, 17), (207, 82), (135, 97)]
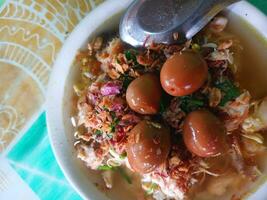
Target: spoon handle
[(207, 11)]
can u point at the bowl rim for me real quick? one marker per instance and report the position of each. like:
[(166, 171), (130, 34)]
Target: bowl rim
[(62, 65)]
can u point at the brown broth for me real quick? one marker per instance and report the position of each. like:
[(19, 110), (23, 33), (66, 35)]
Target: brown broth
[(252, 75)]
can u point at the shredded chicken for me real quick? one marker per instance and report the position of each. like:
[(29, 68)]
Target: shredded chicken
[(221, 55), (215, 97), (257, 120), (225, 45), (168, 186), (92, 156), (218, 24), (237, 111)]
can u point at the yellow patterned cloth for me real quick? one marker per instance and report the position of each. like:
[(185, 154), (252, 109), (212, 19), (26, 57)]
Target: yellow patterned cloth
[(31, 34)]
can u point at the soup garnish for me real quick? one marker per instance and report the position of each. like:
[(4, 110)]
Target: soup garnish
[(174, 115)]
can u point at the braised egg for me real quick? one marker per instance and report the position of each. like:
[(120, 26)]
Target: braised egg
[(183, 73), (204, 134), (148, 146), (143, 95)]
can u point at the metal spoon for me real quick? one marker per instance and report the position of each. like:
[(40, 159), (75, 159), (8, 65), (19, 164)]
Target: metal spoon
[(158, 20)]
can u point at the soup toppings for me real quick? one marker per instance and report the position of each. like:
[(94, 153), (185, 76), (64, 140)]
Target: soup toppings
[(173, 114)]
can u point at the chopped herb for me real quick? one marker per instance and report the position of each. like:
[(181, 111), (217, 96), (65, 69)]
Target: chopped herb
[(98, 132), (164, 102), (190, 103), (229, 90), (105, 168), (130, 55), (124, 175), (113, 115), (151, 189), (110, 135), (118, 61), (105, 108), (123, 155), (196, 47), (126, 80), (114, 124)]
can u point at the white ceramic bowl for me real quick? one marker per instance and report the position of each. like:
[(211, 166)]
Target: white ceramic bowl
[(104, 18)]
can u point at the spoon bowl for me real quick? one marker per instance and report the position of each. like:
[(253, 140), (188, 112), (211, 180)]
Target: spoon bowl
[(168, 21)]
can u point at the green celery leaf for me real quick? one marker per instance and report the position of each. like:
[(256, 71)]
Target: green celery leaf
[(229, 90)]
